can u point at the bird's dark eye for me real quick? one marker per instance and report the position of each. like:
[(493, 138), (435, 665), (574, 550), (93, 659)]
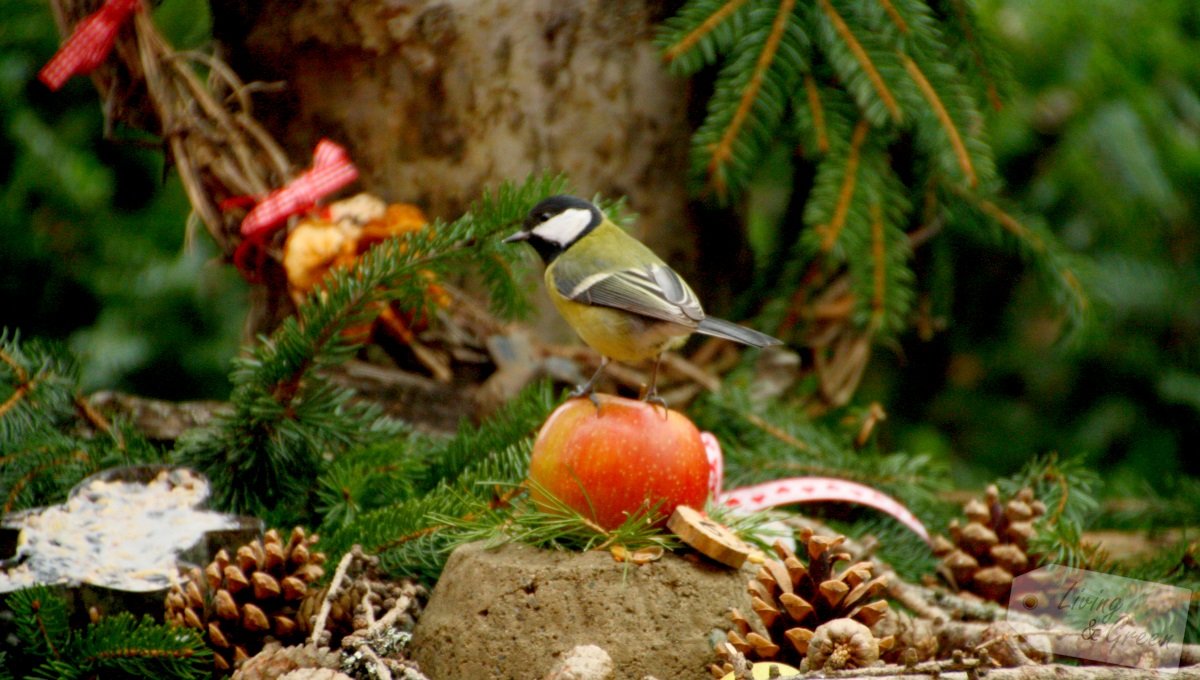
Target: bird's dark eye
[(545, 216)]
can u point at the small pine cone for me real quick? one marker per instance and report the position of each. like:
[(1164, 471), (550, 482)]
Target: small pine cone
[(984, 555), (315, 674), (792, 598), (275, 660), (841, 644), (729, 660), (1009, 644), (914, 638), (238, 602)]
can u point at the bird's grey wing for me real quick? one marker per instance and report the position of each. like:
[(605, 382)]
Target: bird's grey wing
[(654, 291)]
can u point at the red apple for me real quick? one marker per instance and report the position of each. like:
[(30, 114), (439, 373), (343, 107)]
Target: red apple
[(614, 461)]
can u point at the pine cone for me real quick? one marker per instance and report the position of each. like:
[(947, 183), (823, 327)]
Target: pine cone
[(986, 554), (842, 644), (792, 599), (275, 661), (239, 603)]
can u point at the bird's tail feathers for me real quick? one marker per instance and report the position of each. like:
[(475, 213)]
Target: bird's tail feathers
[(731, 331)]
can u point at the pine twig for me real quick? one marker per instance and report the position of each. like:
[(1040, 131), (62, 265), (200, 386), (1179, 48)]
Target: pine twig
[(943, 116), (335, 585), (879, 263), (818, 112), (723, 151), (831, 231), (964, 21), (715, 19), (864, 60), (23, 384), (894, 16), (36, 606), (79, 455)]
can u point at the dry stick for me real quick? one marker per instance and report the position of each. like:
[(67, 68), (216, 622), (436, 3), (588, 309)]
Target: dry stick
[(334, 585), (403, 602), (360, 641), (935, 669), (368, 608), (381, 669), (202, 96)]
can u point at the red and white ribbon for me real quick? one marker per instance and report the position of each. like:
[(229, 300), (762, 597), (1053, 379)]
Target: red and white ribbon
[(801, 490), (331, 170), (89, 44), (716, 464)]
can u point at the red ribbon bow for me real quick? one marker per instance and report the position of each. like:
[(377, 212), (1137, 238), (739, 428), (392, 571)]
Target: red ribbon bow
[(89, 44), (331, 170)]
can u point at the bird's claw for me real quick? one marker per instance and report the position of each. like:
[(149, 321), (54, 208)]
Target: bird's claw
[(653, 398), (585, 390)]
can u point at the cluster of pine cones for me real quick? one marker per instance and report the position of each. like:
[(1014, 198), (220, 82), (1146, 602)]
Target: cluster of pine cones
[(816, 616), (267, 593)]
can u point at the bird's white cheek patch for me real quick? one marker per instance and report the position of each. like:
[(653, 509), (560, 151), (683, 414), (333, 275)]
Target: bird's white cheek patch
[(564, 227)]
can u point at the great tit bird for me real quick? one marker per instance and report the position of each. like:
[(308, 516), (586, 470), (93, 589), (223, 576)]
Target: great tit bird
[(623, 300)]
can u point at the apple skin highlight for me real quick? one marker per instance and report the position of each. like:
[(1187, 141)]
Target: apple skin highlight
[(617, 460)]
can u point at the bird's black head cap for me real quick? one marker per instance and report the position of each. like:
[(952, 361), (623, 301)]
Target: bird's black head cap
[(556, 223)]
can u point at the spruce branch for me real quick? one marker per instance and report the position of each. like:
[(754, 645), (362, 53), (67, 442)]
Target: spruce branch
[(830, 229), (986, 61), (402, 468), (865, 62), (722, 152), (816, 112), (870, 91), (115, 646), (943, 117), (405, 534), (37, 386), (125, 645), (553, 524), (700, 29), (42, 456), (879, 266), (763, 67), (286, 418), (1029, 238), (894, 16), (41, 621)]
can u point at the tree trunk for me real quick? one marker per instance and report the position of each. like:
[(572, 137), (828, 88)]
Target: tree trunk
[(437, 100)]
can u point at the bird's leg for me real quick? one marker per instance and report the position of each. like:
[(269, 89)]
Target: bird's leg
[(652, 391), (589, 387)]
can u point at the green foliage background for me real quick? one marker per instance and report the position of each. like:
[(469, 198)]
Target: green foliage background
[(1099, 135), (92, 236)]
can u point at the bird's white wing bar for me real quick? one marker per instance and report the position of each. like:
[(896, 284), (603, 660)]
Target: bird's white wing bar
[(676, 291), (638, 291)]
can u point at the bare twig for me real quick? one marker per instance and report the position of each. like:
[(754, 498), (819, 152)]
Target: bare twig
[(335, 585), (938, 669), (381, 670)]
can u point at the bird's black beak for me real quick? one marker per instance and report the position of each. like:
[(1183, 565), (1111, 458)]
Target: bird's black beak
[(519, 236)]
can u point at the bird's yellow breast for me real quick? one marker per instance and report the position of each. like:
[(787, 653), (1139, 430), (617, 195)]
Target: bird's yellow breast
[(620, 335)]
